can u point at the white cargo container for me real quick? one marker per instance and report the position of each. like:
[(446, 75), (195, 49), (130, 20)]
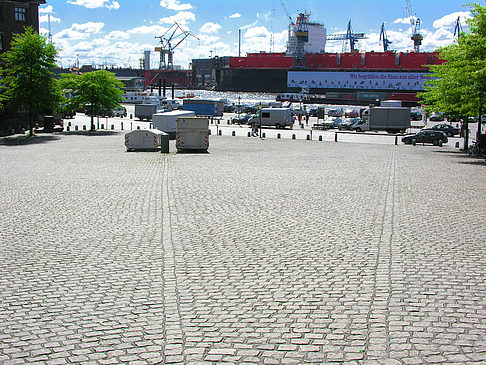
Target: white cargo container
[(166, 122), (144, 140), (192, 134)]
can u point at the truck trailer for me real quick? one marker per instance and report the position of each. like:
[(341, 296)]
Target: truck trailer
[(389, 119), (167, 122), (146, 111), (206, 108)]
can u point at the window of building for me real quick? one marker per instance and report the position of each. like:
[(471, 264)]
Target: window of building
[(1, 42), (21, 14)]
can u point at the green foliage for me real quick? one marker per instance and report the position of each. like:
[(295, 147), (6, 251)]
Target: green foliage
[(28, 84), (459, 84), (96, 91)]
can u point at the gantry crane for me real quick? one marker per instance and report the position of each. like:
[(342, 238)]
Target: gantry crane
[(458, 28), (415, 23), (302, 35), (349, 35), (384, 38), (166, 48)]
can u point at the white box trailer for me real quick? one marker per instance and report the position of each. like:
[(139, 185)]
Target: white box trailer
[(192, 134), (145, 140), (166, 122)]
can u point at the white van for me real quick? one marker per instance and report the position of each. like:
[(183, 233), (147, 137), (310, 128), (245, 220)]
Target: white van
[(274, 117), (170, 104)]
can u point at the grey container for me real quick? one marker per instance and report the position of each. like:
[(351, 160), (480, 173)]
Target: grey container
[(192, 134)]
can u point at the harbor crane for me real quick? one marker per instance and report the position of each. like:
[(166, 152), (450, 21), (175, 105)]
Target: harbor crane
[(384, 38), (349, 35), (302, 35), (174, 34), (415, 23), (458, 28)]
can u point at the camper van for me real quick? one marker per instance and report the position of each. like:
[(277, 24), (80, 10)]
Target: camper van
[(274, 117)]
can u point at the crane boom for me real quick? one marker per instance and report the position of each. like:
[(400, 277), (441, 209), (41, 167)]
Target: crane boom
[(415, 24)]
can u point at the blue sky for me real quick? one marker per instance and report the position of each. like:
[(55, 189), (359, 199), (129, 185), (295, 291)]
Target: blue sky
[(116, 32)]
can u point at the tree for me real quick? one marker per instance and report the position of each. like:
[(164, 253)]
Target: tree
[(458, 85), (28, 84), (95, 91)]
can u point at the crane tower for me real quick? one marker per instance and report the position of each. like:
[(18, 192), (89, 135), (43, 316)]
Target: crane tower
[(415, 23)]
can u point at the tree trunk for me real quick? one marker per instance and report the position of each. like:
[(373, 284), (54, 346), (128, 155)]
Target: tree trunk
[(92, 123)]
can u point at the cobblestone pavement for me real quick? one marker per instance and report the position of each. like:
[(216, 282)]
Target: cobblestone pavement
[(270, 252)]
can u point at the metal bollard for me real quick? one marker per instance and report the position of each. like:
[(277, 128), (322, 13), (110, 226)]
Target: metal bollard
[(335, 137), (112, 127), (278, 135), (233, 133), (396, 140), (293, 136), (220, 133), (209, 132), (264, 135), (138, 127), (307, 137), (67, 129), (249, 134), (102, 126), (121, 125), (320, 138), (84, 127)]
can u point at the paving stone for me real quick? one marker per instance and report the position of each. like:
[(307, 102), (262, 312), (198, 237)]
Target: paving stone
[(273, 251)]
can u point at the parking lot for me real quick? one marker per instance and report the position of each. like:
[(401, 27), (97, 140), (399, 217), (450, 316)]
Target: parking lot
[(274, 251)]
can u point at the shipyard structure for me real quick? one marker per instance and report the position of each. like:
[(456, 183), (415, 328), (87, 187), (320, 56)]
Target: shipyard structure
[(346, 77)]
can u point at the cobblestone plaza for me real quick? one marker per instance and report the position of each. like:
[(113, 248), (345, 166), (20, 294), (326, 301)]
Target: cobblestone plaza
[(261, 251)]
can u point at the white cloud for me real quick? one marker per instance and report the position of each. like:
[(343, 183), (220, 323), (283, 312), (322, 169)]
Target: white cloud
[(80, 31), (93, 4), (403, 20), (210, 27), (45, 19), (449, 21), (174, 5), (182, 17), (235, 15), (148, 29), (47, 10), (250, 25), (116, 34)]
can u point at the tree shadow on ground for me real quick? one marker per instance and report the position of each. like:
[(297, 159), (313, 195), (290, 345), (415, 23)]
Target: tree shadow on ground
[(465, 158), (24, 140), (91, 134)]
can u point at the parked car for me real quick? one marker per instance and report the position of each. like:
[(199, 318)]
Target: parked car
[(313, 112), (242, 119), (336, 122), (416, 115), (438, 117), (437, 138), (350, 113), (120, 112), (348, 123), (448, 129)]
